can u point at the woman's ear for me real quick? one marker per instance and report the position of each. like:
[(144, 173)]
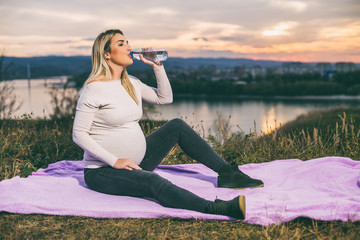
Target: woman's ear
[(107, 56)]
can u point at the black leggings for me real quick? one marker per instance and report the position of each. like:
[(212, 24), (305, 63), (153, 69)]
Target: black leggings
[(145, 183)]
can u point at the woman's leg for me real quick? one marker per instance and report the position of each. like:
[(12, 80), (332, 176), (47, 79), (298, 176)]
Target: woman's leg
[(141, 183), (160, 142), (176, 131)]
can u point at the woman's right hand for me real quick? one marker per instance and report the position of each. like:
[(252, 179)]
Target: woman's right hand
[(126, 163), (154, 64)]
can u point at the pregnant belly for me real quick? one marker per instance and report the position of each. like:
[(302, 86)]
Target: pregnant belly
[(125, 142)]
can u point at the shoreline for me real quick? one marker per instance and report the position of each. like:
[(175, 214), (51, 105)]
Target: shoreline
[(307, 97), (342, 97)]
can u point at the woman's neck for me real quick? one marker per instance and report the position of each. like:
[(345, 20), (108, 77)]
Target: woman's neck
[(116, 72)]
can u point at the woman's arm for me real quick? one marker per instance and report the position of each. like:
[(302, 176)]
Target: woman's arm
[(160, 95), (85, 113), (81, 129), (163, 93)]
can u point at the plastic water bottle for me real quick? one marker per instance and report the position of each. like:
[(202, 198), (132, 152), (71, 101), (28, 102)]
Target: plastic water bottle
[(152, 54)]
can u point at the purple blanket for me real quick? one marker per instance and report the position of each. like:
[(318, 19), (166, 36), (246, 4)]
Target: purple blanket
[(324, 189)]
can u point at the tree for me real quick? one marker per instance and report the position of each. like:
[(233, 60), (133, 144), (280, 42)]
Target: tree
[(3, 67), (8, 100)]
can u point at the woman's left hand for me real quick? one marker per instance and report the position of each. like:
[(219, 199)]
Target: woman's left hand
[(154, 64)]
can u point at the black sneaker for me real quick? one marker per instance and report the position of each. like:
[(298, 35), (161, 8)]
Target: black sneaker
[(231, 177), (234, 208)]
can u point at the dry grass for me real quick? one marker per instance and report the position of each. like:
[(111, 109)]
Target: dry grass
[(63, 227)]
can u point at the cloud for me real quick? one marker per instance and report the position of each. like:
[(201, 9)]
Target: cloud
[(302, 29), (200, 39), (37, 45), (61, 42), (81, 47), (91, 39), (351, 30), (48, 14), (161, 11), (280, 29), (297, 6), (213, 30)]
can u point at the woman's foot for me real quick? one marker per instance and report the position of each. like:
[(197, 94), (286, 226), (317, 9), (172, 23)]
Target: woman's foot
[(231, 177), (234, 208)]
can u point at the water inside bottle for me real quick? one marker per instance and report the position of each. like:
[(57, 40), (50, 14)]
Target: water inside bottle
[(151, 54)]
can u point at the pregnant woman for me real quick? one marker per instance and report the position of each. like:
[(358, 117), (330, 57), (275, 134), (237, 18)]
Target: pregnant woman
[(119, 159)]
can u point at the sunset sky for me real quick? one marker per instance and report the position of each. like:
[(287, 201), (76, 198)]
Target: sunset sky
[(299, 30)]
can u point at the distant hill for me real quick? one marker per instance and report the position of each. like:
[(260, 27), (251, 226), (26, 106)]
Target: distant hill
[(60, 65), (46, 66), (218, 62)]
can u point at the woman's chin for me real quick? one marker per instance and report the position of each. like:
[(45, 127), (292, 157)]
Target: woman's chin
[(130, 63)]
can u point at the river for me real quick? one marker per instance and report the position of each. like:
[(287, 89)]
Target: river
[(202, 113)]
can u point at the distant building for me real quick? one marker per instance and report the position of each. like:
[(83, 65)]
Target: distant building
[(325, 69), (323, 66), (294, 67), (257, 71), (229, 73), (225, 77), (345, 66)]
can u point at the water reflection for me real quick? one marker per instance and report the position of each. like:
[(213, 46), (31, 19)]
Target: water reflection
[(245, 114), (35, 100), (199, 112)]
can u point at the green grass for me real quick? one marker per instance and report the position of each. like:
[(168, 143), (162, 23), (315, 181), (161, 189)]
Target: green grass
[(62, 227), (26, 145)]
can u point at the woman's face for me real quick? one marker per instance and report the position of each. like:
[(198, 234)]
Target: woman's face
[(119, 51)]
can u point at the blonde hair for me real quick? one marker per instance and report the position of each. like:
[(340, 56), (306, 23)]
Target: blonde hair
[(100, 66)]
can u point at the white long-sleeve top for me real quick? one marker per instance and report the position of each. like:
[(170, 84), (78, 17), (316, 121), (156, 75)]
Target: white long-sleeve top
[(106, 124)]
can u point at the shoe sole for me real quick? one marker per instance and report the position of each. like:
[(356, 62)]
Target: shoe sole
[(242, 205), (238, 188), (262, 185)]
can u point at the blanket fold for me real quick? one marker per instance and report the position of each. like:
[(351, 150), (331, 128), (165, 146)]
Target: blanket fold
[(324, 189)]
